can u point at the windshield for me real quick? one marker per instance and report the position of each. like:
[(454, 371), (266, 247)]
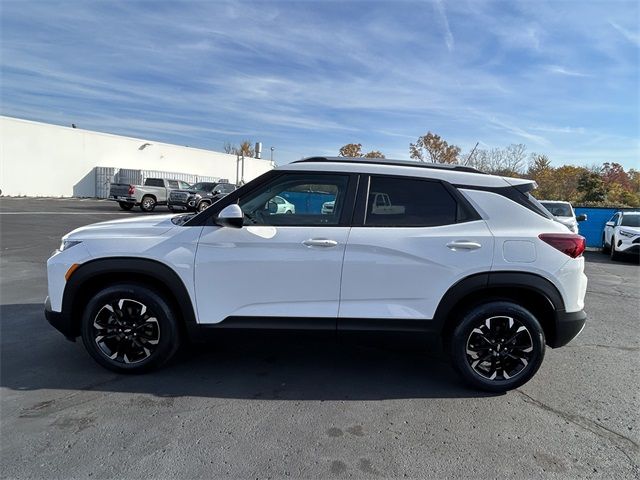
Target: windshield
[(558, 209), (630, 221), (207, 187)]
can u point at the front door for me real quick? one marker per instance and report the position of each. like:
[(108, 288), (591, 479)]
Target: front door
[(282, 262)]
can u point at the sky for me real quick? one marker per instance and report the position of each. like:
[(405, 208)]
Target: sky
[(307, 77)]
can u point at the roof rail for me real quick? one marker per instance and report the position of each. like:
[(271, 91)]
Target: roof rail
[(386, 161)]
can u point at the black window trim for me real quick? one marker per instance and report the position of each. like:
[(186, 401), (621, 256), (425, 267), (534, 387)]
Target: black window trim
[(208, 216), (359, 216)]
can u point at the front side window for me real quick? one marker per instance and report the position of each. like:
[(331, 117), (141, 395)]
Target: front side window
[(173, 183), (296, 199), (409, 202)]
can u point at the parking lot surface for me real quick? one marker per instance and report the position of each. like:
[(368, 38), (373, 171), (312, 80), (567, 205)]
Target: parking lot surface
[(269, 408)]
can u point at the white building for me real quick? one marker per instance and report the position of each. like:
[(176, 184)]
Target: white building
[(39, 159)]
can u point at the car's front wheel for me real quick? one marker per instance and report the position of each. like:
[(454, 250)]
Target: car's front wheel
[(615, 255), (202, 206), (497, 346), (129, 328)]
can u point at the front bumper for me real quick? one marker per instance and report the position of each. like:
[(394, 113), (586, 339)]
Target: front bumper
[(59, 321), (568, 326)]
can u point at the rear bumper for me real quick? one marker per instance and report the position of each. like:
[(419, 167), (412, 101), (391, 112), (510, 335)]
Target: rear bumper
[(58, 321), (123, 199), (568, 327)]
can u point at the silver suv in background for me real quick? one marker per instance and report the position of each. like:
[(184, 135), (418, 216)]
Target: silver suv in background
[(563, 212), (154, 191)]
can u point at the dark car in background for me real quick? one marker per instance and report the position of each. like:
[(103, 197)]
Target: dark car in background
[(199, 197)]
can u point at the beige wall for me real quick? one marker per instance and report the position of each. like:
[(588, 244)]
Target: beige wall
[(39, 159)]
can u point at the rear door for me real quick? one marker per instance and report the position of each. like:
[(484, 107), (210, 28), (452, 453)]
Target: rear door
[(402, 257)]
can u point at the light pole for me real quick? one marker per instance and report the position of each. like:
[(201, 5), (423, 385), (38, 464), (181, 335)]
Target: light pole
[(272, 149)]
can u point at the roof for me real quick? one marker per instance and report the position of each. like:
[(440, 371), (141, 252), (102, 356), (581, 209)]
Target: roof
[(455, 174)]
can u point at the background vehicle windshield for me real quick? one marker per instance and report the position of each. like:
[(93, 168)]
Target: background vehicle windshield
[(558, 209), (207, 187), (630, 221)]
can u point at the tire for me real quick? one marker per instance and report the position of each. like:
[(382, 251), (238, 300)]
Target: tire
[(203, 205), (613, 252), (478, 336), (139, 340), (148, 203), (605, 248), (288, 212), (125, 205)]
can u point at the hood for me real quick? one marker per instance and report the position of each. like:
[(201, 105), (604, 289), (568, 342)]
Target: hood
[(566, 220), (151, 225)]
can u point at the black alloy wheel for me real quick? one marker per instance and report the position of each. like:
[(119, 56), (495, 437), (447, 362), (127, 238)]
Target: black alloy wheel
[(129, 328), (498, 346)]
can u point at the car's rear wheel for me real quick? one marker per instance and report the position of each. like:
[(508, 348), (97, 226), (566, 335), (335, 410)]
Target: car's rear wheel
[(129, 328), (125, 205), (148, 203), (497, 346)]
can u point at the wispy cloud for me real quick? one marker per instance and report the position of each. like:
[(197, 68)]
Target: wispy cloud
[(448, 36), (307, 78), (565, 71), (632, 36)]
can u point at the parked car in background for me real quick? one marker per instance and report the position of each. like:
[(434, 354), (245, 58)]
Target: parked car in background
[(470, 260), (622, 234), (563, 212), (328, 207), (153, 192), (199, 196), (282, 206)]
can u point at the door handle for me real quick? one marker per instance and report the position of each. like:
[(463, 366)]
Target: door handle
[(320, 242), (463, 245)]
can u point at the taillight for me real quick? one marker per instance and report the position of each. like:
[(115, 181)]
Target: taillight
[(132, 189), (568, 243)]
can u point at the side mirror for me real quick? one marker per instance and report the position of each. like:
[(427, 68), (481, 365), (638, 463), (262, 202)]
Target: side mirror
[(581, 218), (230, 216), (610, 224)]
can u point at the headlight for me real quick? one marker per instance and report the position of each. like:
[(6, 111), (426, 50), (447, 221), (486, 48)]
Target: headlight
[(626, 233), (66, 244)]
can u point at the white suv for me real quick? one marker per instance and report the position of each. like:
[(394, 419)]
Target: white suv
[(622, 234), (468, 258)]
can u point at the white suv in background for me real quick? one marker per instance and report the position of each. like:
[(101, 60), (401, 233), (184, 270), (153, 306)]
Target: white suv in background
[(470, 259), (622, 234), (564, 213)]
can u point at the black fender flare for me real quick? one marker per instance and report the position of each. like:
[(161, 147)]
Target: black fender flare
[(496, 280), (159, 272)]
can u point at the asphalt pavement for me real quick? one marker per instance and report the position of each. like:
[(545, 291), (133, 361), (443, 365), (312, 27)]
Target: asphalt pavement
[(276, 408)]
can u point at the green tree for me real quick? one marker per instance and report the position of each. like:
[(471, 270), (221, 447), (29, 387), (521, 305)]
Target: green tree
[(432, 148), (374, 154), (592, 188)]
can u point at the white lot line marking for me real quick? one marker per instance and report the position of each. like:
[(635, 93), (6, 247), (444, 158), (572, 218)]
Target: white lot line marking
[(64, 213)]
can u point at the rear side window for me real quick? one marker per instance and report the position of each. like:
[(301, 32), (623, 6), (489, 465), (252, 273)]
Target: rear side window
[(154, 182), (409, 202)]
